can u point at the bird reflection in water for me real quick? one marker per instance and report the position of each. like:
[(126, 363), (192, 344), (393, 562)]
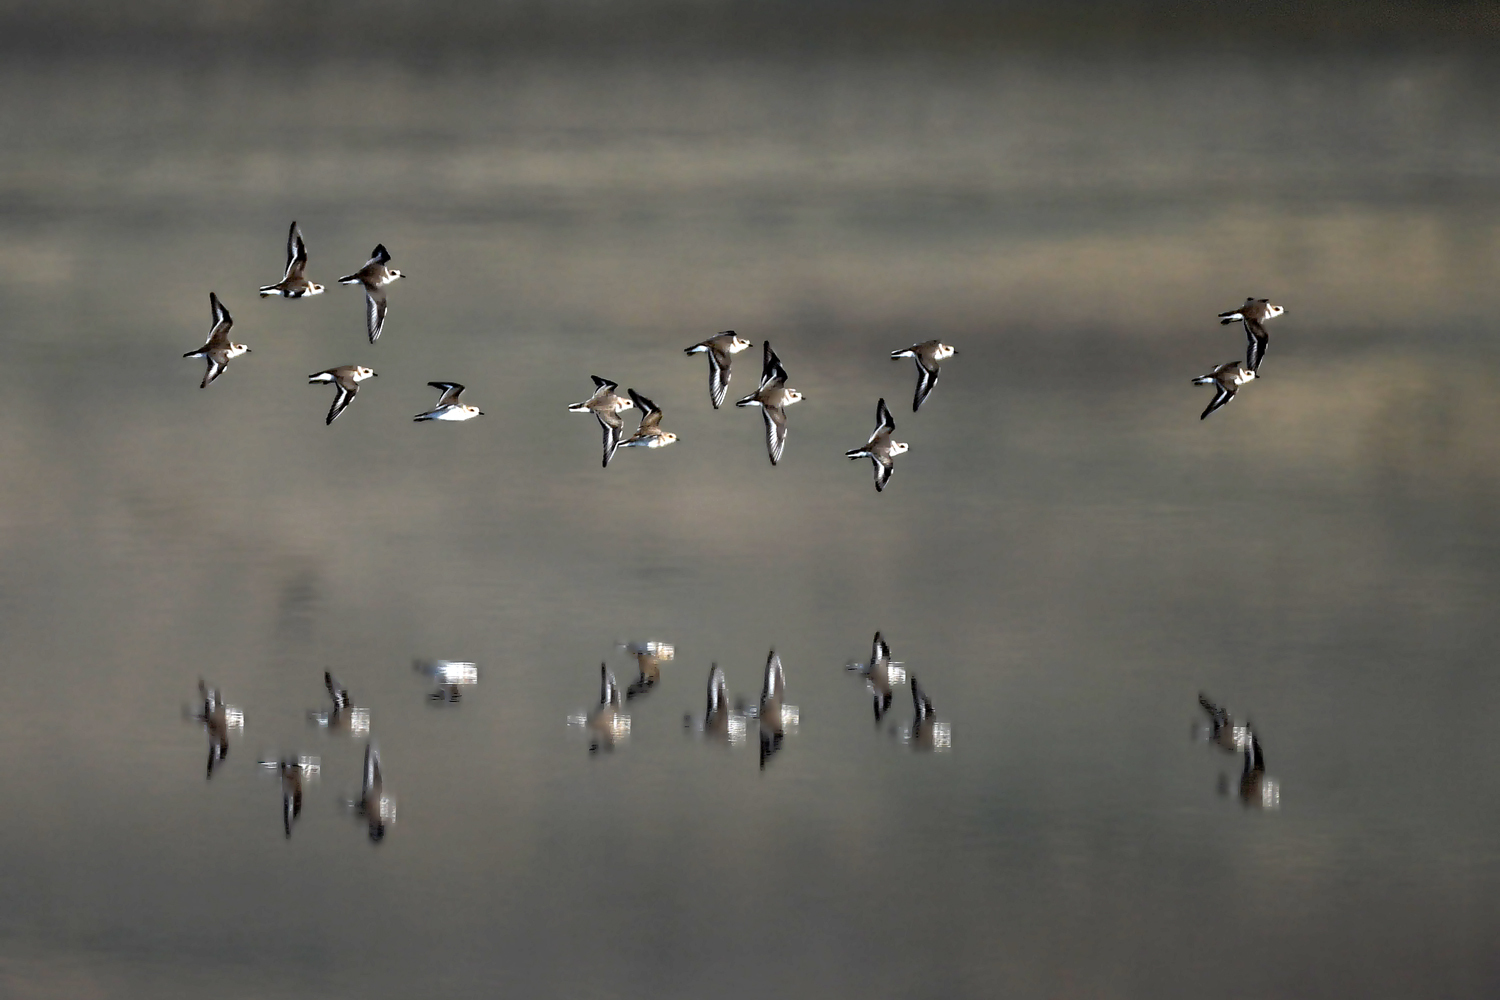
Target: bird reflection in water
[(926, 732), (375, 805), (607, 724), (1221, 729), (648, 657), (881, 674), (217, 719), (449, 676), (345, 716), (721, 722), (295, 773), (776, 717), (1256, 790)]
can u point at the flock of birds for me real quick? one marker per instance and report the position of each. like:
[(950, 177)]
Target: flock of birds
[(773, 395), (608, 723), (1228, 377)]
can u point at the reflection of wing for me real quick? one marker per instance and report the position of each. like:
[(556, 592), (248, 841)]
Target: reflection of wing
[(374, 311), (718, 694), (609, 691), (336, 691), (775, 418), (883, 469), (1256, 340), (1218, 715), (880, 653), (775, 683), (926, 379), (372, 767)]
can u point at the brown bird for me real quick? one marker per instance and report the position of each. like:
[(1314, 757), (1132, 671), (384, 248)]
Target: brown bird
[(374, 276), (347, 379), (294, 284)]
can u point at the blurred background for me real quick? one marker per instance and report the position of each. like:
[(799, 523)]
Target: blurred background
[(1067, 556)]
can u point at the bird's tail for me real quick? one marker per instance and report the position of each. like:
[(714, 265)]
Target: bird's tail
[(1230, 317), (266, 290), (857, 453), (349, 279), (578, 407), (695, 349)]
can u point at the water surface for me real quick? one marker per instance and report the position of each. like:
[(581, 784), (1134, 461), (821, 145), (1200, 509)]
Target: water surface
[(1065, 558)]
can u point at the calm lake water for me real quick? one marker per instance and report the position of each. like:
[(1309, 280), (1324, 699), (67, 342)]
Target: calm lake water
[(1066, 557)]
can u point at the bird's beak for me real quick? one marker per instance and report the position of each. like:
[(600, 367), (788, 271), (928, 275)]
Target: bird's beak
[(481, 413)]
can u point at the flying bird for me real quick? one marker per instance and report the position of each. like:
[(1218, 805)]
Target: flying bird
[(720, 349), (448, 407), (929, 356), (773, 397), (294, 284), (346, 379), (374, 276), (606, 405), (1228, 377), (218, 350), (880, 449), (1253, 314), (649, 434)]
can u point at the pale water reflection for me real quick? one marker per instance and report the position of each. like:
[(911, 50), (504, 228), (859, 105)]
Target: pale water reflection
[(1067, 556)]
